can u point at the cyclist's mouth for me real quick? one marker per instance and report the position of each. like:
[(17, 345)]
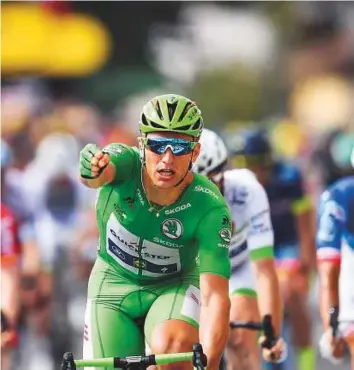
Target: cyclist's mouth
[(166, 173)]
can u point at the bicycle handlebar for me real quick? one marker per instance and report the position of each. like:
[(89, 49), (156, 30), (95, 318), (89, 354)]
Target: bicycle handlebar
[(197, 356), (266, 325)]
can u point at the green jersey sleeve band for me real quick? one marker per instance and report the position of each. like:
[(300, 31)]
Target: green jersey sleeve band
[(261, 253)]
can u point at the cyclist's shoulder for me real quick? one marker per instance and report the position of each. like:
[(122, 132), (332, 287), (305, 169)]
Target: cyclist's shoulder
[(242, 184), (344, 185), (240, 177), (205, 193), (341, 190), (286, 173)]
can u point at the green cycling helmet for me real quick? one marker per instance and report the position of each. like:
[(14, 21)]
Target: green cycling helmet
[(171, 113)]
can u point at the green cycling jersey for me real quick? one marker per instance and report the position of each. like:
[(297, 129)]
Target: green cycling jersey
[(146, 243)]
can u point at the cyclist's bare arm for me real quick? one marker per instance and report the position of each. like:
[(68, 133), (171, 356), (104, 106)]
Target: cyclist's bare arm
[(269, 296), (214, 316), (329, 295), (10, 287), (306, 230)]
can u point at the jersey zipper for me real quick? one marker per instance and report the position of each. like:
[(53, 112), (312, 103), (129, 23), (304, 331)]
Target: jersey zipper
[(140, 247)]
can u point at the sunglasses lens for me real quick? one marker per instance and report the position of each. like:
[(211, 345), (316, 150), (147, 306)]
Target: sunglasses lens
[(177, 146)]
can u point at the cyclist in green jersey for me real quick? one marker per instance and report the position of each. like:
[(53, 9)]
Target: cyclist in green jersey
[(164, 234)]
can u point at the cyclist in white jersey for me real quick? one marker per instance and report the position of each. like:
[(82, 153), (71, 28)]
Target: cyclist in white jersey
[(251, 251)]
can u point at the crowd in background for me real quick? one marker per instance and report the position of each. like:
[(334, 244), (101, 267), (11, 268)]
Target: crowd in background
[(310, 122)]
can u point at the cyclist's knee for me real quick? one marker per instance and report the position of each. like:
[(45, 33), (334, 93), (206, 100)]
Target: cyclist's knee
[(173, 336), (242, 350), (294, 286), (242, 338)]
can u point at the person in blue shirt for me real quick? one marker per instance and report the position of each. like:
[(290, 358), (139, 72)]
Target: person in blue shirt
[(335, 262), (292, 219)]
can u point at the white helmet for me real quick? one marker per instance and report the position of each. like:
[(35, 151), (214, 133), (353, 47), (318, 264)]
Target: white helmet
[(213, 154)]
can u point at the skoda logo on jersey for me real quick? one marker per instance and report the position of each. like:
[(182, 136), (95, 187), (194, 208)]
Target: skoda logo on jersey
[(205, 190), (178, 209), (225, 235), (172, 228)]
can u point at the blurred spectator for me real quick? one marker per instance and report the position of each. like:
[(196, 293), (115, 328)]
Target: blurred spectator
[(333, 156)]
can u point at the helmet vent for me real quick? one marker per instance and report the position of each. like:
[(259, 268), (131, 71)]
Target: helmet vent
[(184, 128), (144, 120), (198, 124), (156, 125), (158, 110), (185, 110), (171, 107)]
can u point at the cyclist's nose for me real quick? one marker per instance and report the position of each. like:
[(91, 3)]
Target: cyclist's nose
[(168, 156)]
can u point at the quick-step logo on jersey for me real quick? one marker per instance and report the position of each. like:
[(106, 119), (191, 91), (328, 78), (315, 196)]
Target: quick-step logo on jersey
[(154, 260)]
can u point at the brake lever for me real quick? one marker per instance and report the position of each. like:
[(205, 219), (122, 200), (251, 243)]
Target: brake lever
[(333, 320), (269, 334), (199, 358), (68, 362)]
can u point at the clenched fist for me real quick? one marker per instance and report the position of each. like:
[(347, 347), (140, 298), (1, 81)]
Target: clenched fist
[(92, 161)]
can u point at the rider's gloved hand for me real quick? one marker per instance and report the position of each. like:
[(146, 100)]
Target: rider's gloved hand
[(277, 353), (92, 161), (332, 349)]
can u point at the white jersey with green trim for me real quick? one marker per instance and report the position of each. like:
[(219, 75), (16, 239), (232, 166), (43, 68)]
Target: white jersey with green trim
[(251, 222)]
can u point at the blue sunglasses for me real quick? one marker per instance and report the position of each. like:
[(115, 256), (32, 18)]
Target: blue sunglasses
[(177, 146)]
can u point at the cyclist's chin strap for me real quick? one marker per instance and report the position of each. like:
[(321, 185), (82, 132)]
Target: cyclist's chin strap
[(185, 175)]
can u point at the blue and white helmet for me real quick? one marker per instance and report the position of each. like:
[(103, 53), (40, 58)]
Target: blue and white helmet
[(213, 154)]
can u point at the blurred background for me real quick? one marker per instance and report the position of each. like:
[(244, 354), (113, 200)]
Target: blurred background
[(77, 72)]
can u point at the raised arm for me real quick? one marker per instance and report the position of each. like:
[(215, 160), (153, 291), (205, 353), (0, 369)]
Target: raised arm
[(99, 167)]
